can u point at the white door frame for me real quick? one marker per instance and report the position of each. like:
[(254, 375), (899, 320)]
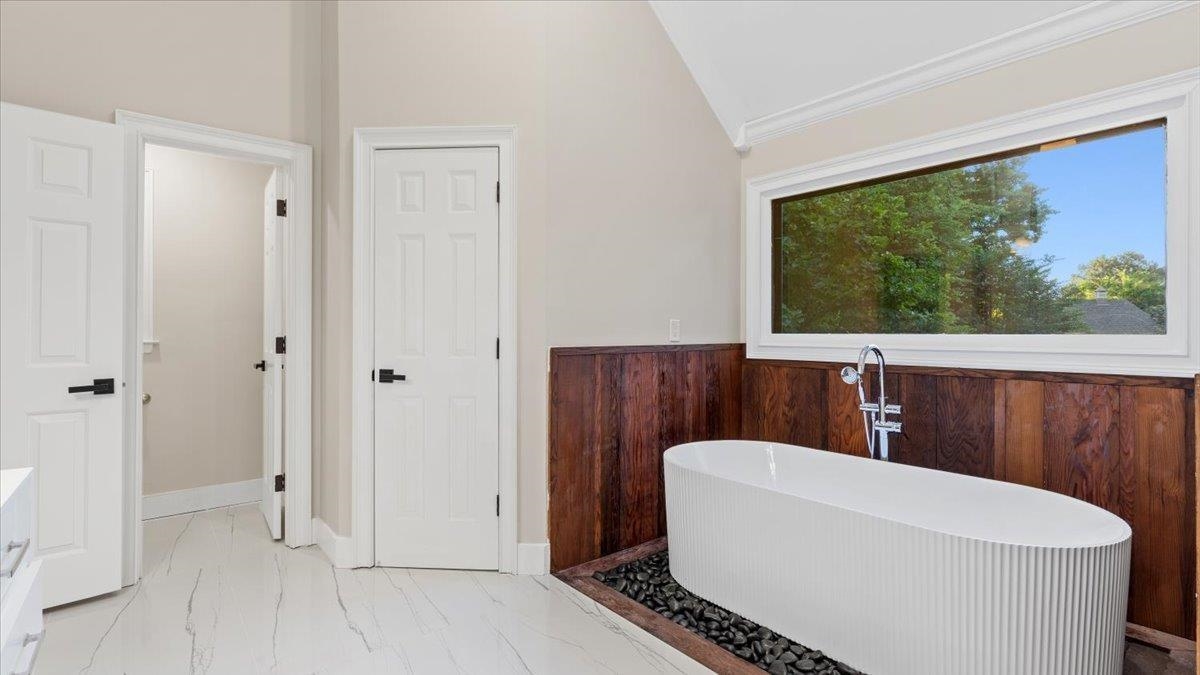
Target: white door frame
[(296, 160), (362, 403)]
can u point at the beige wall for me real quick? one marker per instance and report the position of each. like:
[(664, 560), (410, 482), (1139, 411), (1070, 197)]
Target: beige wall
[(407, 64), (618, 154), (203, 425), (642, 186), (233, 65), (627, 192), (254, 67)]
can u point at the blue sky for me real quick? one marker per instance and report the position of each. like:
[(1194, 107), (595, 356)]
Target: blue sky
[(1110, 198)]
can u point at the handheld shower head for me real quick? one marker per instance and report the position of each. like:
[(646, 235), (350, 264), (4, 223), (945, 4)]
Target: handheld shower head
[(850, 375)]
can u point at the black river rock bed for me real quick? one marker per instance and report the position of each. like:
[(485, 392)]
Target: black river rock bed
[(648, 580)]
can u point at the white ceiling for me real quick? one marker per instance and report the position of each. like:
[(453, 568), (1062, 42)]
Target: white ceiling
[(766, 64)]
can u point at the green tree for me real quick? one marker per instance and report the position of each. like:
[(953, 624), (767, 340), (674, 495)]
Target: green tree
[(933, 253), (1130, 276)]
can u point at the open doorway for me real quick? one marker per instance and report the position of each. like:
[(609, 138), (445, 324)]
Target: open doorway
[(212, 307), (249, 276)]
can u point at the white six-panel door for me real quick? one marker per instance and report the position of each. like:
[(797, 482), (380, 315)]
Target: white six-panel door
[(436, 227), (61, 275)]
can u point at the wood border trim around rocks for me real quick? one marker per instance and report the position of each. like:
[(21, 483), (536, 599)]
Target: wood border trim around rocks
[(697, 648)]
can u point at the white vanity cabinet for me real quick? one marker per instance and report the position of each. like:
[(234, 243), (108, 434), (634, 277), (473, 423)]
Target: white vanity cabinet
[(21, 631)]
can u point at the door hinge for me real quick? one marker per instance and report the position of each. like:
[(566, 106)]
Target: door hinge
[(497, 505), (497, 348), (281, 207), (497, 192), (372, 374), (279, 482), (281, 345)]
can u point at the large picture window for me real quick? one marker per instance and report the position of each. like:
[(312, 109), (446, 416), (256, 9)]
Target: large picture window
[(1060, 239), (1068, 236)]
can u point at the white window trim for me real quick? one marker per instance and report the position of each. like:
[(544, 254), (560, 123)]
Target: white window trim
[(1177, 353)]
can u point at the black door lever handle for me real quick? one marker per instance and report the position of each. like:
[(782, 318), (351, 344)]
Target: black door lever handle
[(386, 375), (97, 387), (261, 365)]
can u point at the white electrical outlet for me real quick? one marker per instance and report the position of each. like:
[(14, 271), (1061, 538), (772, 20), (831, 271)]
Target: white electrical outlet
[(673, 330)]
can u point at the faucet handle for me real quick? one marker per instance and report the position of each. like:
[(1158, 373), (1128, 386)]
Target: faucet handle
[(888, 427), (891, 409), (869, 407)]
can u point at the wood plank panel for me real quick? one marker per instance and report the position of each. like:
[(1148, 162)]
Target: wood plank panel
[(641, 420), (723, 393), (965, 416), (845, 432), (917, 443), (574, 524), (785, 405), (1154, 492), (609, 374), (1024, 432), (1081, 446)]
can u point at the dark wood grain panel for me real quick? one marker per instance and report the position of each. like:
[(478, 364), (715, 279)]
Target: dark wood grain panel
[(965, 416), (917, 443), (784, 405), (574, 525), (1081, 443), (1154, 486), (606, 469), (723, 393), (759, 389), (640, 457)]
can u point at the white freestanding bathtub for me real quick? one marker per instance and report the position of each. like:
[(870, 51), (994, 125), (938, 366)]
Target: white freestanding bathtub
[(895, 569)]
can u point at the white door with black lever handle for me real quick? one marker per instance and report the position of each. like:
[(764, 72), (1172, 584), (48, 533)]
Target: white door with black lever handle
[(61, 311), (436, 384)]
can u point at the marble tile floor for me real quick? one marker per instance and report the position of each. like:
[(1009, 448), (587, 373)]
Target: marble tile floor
[(219, 597)]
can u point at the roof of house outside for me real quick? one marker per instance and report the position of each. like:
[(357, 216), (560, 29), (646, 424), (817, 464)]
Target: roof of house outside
[(1117, 317)]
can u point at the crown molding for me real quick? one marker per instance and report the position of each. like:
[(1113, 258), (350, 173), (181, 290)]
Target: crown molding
[(1081, 23)]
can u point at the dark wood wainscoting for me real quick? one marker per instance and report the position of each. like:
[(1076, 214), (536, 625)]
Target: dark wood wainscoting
[(1123, 443), (613, 411)]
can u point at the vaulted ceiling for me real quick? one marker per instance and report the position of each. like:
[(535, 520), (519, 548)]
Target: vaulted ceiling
[(769, 68)]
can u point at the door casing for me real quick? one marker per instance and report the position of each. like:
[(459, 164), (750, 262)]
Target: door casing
[(295, 160), (362, 408)]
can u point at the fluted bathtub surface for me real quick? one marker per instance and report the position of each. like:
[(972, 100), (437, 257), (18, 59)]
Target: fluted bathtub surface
[(899, 569)]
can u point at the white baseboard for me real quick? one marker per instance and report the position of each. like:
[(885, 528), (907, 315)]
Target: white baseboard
[(533, 558), (338, 549), (201, 498)]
